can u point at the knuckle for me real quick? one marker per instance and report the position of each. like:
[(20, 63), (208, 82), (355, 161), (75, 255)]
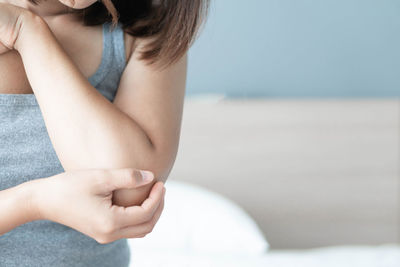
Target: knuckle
[(152, 228), (152, 225), (98, 181), (108, 227), (99, 176), (103, 240), (130, 173), (100, 241), (139, 235), (149, 228), (148, 216)]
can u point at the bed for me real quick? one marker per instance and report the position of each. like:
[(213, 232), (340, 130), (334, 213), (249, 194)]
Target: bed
[(202, 228), (263, 182)]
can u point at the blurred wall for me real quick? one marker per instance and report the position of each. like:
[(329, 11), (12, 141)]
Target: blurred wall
[(298, 48), (310, 172)]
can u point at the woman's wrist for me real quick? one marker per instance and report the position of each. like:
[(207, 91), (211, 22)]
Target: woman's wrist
[(25, 196), (29, 31), (32, 193)]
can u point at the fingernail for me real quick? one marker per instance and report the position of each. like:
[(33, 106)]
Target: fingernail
[(147, 176)]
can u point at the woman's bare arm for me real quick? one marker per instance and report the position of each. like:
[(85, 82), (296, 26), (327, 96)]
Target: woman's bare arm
[(82, 200), (140, 130), (16, 207)]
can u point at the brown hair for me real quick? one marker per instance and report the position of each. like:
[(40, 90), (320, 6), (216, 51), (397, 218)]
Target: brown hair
[(174, 24)]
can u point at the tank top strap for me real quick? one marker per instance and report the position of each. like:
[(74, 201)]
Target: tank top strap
[(116, 34), (113, 60)]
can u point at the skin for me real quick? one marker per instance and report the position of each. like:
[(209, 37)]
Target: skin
[(140, 129), (83, 200)]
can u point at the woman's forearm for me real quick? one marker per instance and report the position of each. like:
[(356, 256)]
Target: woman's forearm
[(81, 200), (16, 207), (86, 130)]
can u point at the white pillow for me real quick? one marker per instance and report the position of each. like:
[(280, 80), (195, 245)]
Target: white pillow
[(197, 220)]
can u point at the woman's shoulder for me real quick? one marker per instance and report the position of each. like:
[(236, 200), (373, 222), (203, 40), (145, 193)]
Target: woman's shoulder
[(64, 24), (135, 46), (129, 45)]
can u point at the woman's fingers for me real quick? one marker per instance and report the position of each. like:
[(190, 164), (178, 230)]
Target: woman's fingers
[(134, 215), (127, 178), (143, 229)]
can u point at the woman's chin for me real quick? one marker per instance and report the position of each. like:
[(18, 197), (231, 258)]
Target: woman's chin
[(78, 4)]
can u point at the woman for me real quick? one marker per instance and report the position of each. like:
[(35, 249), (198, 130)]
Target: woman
[(91, 96)]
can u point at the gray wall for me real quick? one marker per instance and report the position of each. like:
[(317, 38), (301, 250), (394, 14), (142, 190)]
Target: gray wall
[(310, 172), (298, 48)]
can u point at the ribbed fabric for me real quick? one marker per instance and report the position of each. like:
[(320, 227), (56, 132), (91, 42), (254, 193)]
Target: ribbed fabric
[(26, 153)]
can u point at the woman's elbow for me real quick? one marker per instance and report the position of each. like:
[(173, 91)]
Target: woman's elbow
[(133, 197)]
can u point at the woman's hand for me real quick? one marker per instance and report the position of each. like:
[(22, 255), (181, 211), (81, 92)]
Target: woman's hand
[(83, 200), (13, 15), (11, 19)]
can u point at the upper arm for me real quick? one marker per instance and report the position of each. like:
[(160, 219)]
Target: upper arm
[(154, 100)]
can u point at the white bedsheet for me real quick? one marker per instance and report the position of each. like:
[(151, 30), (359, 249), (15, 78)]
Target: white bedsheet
[(345, 256), (201, 228)]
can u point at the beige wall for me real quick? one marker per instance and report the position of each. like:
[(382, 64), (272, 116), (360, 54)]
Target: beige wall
[(311, 172)]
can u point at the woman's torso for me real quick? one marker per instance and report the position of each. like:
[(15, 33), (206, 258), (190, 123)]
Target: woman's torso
[(26, 152)]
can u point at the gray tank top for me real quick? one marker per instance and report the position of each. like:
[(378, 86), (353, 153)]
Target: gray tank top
[(26, 153)]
